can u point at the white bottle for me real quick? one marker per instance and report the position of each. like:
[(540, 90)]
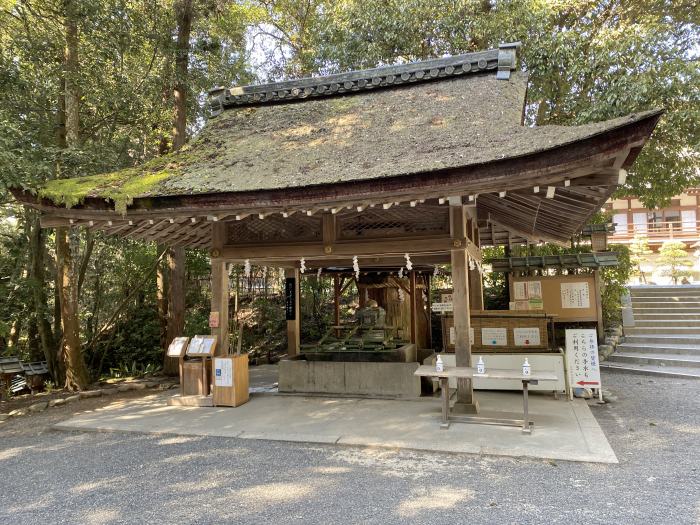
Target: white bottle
[(439, 365), (526, 368), (480, 367)]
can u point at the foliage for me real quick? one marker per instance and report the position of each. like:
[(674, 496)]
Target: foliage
[(639, 252), (587, 60), (675, 260)]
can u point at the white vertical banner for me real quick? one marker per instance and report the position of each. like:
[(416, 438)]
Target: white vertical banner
[(582, 359)]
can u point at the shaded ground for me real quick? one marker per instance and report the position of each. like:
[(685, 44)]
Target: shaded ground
[(62, 477)]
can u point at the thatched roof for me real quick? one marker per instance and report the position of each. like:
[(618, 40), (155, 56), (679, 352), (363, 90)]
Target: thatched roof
[(448, 126)]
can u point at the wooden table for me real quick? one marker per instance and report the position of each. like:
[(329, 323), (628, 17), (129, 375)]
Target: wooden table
[(463, 372)]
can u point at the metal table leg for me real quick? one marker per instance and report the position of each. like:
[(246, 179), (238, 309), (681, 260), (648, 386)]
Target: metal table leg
[(527, 428), (445, 387)]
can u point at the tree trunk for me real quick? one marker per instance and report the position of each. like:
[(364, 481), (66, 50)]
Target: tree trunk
[(184, 13), (175, 261), (46, 336), (76, 371)]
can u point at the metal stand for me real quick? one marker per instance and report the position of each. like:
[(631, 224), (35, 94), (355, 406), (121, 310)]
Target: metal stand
[(525, 423)]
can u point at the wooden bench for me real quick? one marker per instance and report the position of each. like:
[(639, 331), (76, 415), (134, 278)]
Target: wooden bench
[(459, 372)]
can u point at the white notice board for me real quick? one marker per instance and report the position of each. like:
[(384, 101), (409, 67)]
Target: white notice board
[(575, 295), (453, 335), (582, 358), (223, 371), (527, 336), (494, 337)]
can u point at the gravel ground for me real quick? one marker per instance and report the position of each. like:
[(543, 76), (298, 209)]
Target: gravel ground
[(61, 477)]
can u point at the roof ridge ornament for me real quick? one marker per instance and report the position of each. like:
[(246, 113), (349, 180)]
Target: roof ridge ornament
[(507, 59), (503, 60)]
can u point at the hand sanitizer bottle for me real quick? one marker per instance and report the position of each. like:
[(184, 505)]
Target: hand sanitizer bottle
[(480, 367), (526, 368), (439, 366)]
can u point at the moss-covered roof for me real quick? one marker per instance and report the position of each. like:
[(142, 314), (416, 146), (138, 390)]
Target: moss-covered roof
[(412, 129)]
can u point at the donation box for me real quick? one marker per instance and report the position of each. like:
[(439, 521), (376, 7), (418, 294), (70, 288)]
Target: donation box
[(230, 380)]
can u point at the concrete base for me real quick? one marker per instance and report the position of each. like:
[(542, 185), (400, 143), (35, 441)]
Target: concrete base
[(190, 401), (393, 380), (564, 430), (465, 408)]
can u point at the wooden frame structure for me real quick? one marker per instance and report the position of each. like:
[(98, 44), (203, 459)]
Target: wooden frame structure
[(428, 159)]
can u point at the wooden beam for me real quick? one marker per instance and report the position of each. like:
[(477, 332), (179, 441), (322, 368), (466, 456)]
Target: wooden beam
[(378, 248)]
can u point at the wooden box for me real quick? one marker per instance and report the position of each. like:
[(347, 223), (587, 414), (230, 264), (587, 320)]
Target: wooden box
[(193, 379), (230, 380)]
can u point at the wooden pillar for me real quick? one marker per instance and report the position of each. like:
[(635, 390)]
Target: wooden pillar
[(336, 303), (476, 290), (599, 306), (460, 299), (413, 319), (294, 313), (219, 304)]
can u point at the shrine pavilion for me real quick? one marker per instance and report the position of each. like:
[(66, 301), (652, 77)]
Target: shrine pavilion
[(357, 170)]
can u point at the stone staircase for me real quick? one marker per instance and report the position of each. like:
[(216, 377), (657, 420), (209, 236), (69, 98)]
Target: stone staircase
[(665, 339)]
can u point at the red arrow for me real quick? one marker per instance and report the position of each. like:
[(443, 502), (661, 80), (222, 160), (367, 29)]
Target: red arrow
[(588, 383)]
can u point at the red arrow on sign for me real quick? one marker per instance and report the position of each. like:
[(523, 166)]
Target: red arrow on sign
[(588, 383)]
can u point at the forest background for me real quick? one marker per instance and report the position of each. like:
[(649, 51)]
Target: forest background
[(93, 86)]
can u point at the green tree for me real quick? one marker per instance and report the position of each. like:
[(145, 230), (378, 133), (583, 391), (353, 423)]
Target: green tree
[(639, 254), (587, 60), (674, 260)]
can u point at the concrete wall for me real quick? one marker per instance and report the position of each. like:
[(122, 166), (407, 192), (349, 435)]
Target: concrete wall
[(349, 378)]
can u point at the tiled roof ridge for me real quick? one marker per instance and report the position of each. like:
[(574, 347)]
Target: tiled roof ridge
[(503, 60)]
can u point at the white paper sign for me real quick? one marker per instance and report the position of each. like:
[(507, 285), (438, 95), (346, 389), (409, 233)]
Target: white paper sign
[(441, 307), (453, 335), (534, 290), (494, 336), (519, 291), (223, 372), (526, 336), (582, 358), (177, 347), (575, 295)]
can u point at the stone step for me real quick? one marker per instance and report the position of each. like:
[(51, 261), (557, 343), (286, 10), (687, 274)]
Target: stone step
[(666, 330), (668, 290), (660, 360), (661, 339), (665, 317), (662, 324), (651, 370), (643, 301), (658, 348), (666, 313)]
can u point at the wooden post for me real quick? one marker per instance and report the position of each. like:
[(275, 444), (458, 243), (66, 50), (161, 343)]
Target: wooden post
[(460, 300), (599, 306), (413, 319), (476, 290), (219, 304), (294, 324), (336, 303), (427, 281)]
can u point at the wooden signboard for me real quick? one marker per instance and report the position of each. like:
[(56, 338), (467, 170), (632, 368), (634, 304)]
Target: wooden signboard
[(230, 380), (202, 346), (571, 298), (290, 298), (178, 346)]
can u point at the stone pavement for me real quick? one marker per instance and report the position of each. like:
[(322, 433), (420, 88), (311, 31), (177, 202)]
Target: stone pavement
[(564, 430)]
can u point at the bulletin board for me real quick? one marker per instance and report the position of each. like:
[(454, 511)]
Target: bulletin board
[(572, 298)]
